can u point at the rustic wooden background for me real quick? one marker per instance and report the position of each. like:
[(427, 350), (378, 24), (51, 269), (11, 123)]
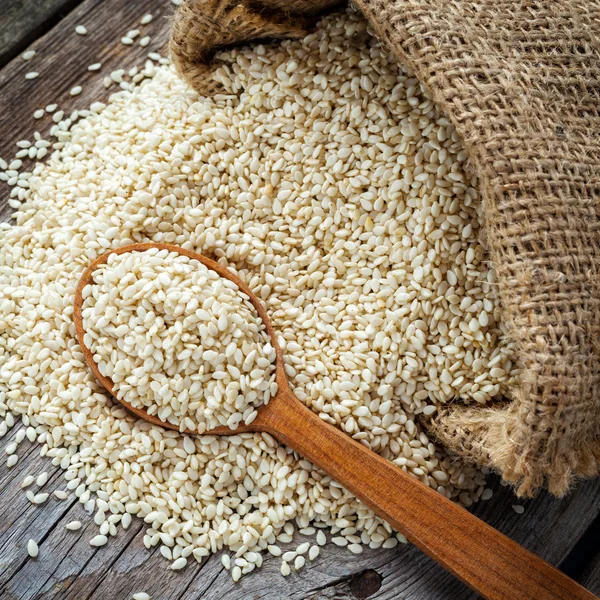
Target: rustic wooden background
[(565, 532)]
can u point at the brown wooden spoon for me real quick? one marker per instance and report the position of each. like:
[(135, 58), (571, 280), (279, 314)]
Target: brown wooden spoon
[(484, 559)]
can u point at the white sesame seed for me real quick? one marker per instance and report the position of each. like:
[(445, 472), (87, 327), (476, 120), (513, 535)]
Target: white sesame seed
[(140, 596), (285, 569), (12, 460), (144, 41), (28, 55), (98, 540), (31, 75), (81, 30), (303, 548), (42, 479), (75, 91), (38, 114), (95, 67), (518, 509), (32, 548), (179, 564), (29, 479), (146, 19), (126, 40)]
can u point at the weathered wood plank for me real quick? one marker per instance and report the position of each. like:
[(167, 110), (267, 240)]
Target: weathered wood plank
[(590, 576), (24, 20), (591, 579), (67, 567)]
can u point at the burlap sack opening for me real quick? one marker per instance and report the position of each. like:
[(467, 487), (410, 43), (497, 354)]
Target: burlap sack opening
[(521, 82)]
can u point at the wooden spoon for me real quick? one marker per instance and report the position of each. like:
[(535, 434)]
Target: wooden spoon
[(484, 559)]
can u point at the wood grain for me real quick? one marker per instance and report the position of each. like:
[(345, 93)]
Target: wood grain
[(67, 566), (591, 578)]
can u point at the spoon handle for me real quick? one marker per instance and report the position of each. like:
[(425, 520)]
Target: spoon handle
[(483, 558)]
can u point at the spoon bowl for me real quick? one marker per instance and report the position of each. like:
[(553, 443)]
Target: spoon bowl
[(261, 423), (489, 562)]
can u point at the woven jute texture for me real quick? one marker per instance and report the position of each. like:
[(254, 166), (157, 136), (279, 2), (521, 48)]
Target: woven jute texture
[(520, 80)]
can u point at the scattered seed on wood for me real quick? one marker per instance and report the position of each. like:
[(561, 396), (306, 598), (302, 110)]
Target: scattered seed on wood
[(32, 548)]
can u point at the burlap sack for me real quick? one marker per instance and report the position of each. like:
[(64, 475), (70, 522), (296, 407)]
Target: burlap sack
[(520, 80)]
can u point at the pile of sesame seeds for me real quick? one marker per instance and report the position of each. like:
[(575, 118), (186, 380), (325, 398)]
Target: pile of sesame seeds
[(325, 178), (178, 340)]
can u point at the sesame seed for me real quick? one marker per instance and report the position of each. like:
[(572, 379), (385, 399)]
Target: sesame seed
[(32, 548), (99, 540), (179, 564), (29, 479)]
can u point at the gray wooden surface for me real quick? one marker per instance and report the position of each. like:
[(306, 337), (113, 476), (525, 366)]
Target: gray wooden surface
[(67, 566), (24, 20)]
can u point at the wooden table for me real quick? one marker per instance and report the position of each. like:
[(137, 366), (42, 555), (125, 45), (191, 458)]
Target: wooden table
[(565, 532)]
